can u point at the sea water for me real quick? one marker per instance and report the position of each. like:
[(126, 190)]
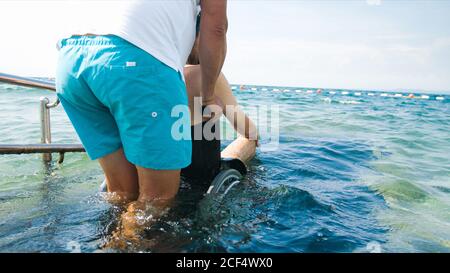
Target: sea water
[(353, 171)]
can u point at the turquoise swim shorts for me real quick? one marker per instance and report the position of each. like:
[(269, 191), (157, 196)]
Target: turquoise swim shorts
[(119, 96)]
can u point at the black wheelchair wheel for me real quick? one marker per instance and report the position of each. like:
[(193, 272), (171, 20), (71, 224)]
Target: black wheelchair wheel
[(221, 185), (224, 181)]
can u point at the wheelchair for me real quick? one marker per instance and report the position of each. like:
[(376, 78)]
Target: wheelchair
[(231, 173)]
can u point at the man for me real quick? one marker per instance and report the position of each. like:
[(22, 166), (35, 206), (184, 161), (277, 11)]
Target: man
[(206, 155), (119, 79)]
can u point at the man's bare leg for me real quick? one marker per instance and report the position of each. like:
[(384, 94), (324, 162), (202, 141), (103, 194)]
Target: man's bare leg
[(157, 189), (157, 185), (121, 176), (242, 148)]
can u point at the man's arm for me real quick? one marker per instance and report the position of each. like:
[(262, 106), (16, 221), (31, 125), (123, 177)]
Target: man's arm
[(212, 45), (233, 112), (244, 147)]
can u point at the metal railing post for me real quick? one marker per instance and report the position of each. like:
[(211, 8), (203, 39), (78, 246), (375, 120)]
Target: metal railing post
[(46, 137)]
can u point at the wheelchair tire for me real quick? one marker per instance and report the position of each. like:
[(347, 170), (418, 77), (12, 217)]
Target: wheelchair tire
[(224, 181), (103, 187)]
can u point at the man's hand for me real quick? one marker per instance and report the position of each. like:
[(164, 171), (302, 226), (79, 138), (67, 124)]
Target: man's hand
[(212, 110), (210, 100), (212, 45)]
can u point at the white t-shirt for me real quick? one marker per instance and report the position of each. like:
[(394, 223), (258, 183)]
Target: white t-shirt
[(163, 28)]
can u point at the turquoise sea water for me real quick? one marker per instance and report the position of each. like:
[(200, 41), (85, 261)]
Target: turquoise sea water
[(352, 173)]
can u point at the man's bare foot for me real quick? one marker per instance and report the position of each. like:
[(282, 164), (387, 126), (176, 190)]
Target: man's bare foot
[(138, 217)]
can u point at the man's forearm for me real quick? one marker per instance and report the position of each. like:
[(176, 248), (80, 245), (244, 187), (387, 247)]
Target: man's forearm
[(212, 56), (212, 46)]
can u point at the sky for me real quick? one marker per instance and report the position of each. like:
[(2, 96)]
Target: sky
[(348, 44)]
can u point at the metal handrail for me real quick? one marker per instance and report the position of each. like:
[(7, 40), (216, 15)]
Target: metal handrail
[(40, 148), (27, 82), (46, 148)]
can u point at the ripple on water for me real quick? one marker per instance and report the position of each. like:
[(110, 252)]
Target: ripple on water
[(349, 171)]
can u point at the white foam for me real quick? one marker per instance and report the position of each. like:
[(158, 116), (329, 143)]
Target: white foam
[(349, 102), (254, 89), (332, 92), (309, 92), (344, 93), (370, 94), (264, 89), (398, 95), (383, 95), (440, 98), (425, 97), (357, 93)]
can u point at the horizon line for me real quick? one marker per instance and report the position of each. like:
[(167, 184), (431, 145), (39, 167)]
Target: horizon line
[(389, 90)]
